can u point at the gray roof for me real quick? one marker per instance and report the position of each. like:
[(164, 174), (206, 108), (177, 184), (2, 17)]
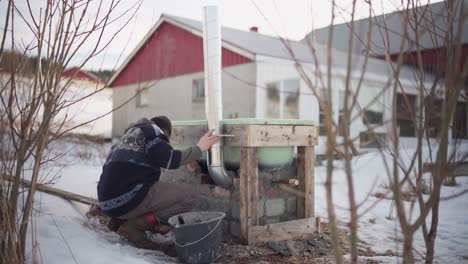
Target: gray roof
[(432, 25), (257, 43)]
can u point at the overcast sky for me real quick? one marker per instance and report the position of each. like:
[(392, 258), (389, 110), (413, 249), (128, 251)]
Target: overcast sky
[(289, 18)]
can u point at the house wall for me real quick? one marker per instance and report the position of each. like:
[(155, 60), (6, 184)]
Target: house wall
[(171, 51), (274, 70), (173, 97)]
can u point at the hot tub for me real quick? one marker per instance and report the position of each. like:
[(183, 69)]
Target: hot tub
[(187, 133)]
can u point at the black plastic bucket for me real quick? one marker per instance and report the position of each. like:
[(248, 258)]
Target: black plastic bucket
[(198, 236)]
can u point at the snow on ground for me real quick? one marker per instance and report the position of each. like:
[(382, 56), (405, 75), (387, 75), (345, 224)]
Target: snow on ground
[(63, 233), (64, 237), (380, 232)]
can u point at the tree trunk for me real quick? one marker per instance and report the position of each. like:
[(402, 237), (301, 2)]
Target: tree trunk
[(408, 250)]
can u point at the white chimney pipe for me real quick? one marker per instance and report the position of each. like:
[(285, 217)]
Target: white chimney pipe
[(213, 92)]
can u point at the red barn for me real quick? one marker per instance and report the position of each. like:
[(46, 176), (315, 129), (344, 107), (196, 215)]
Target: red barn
[(80, 74)]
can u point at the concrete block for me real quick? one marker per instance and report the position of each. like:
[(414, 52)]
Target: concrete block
[(203, 204), (221, 205), (205, 189), (272, 220), (234, 228), (275, 207), (291, 204), (220, 191), (235, 210), (225, 224), (261, 208), (273, 193)]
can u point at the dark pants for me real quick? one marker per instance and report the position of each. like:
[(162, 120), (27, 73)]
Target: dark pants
[(165, 199)]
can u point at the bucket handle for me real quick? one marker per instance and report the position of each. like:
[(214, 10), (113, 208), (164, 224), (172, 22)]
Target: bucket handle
[(205, 236)]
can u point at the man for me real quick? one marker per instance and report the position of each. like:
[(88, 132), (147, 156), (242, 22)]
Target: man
[(129, 188)]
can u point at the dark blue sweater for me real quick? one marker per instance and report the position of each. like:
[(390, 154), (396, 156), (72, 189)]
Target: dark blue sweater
[(133, 165)]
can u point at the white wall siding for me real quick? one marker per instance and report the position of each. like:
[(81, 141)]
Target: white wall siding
[(173, 97), (268, 72)]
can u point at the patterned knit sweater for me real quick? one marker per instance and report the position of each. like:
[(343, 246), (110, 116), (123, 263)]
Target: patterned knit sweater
[(133, 166)]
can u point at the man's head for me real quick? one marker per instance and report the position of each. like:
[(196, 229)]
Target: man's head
[(164, 123)]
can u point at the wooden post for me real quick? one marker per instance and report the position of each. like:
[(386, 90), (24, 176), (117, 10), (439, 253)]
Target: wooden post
[(248, 188), (300, 201), (305, 156)]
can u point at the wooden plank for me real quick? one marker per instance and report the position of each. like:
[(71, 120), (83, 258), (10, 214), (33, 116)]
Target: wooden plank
[(57, 192), (295, 229), (251, 135), (253, 187), (300, 201), (248, 167), (271, 135), (308, 154), (187, 135), (240, 132)]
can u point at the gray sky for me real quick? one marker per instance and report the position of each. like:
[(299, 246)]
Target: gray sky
[(289, 18)]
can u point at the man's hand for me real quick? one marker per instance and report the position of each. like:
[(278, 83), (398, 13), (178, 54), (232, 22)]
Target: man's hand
[(207, 140)]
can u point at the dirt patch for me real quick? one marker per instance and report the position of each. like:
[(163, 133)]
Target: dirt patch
[(316, 249)]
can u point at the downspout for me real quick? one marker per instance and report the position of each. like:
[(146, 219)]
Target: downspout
[(213, 92)]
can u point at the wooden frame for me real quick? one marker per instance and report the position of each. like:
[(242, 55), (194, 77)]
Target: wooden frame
[(248, 138)]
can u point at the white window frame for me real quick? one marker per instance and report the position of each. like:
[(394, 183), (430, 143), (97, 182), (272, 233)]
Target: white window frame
[(282, 95), (142, 99), (196, 95)]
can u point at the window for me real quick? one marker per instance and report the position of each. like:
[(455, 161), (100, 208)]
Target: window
[(273, 100), (405, 114), (291, 94), (323, 95), (198, 90), (341, 124), (372, 140), (142, 97), (371, 99), (459, 121), (283, 99), (433, 111)]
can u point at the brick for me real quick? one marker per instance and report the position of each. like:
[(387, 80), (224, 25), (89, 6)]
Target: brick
[(220, 191), (205, 189), (275, 207)]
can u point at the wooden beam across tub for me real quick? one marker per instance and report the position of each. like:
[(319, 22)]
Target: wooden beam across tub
[(251, 135)]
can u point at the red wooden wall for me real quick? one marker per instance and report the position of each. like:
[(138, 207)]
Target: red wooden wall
[(433, 58), (79, 74), (171, 51)]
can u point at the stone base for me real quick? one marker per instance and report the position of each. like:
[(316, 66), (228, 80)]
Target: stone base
[(274, 204)]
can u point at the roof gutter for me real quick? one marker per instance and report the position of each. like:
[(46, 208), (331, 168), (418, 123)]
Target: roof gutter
[(213, 92)]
